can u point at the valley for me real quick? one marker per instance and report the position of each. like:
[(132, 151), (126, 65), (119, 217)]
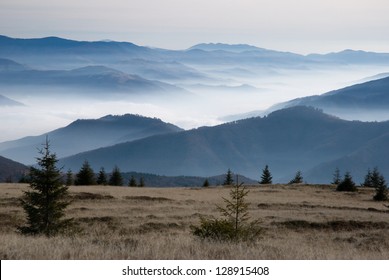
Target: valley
[(194, 112)]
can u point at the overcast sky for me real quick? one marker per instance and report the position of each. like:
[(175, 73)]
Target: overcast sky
[(302, 26)]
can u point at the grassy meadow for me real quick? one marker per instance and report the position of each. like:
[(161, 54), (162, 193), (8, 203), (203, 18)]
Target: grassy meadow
[(300, 222)]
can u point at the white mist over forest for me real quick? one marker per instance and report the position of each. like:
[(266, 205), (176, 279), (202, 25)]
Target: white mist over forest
[(223, 99)]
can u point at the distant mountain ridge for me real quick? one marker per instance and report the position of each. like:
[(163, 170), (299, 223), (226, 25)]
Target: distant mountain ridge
[(52, 45), (225, 47), (97, 78), (8, 65), (84, 135), (10, 170), (287, 140), (14, 48), (364, 98)]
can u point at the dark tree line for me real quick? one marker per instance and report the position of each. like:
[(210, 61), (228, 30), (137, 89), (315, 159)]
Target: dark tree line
[(86, 177)]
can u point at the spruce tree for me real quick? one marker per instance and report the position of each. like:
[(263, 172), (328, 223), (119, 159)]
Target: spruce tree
[(368, 179), (375, 178), (69, 178), (379, 183), (266, 177), (206, 183), (48, 198), (336, 178), (235, 225), (102, 177), (228, 180), (347, 184), (86, 175), (141, 182), (298, 178), (116, 178), (132, 182)]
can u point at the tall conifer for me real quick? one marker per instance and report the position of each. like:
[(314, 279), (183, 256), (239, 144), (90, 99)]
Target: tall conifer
[(48, 198)]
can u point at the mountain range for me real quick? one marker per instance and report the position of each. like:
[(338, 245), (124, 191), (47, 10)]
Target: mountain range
[(366, 96), (71, 52), (296, 138), (94, 79), (204, 78), (87, 134), (368, 100)]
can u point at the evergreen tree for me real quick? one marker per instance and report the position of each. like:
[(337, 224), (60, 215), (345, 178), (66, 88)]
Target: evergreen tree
[(347, 184), (86, 175), (141, 182), (266, 177), (336, 179), (116, 178), (102, 177), (228, 180), (132, 182), (298, 178), (235, 225), (69, 178), (368, 179), (379, 183), (206, 183), (47, 200)]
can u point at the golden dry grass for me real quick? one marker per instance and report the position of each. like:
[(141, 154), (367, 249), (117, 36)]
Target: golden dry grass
[(301, 222)]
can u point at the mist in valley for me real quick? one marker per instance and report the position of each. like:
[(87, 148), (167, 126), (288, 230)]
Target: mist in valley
[(223, 96)]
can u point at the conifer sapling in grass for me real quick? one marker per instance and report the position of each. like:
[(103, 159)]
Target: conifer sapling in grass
[(235, 225)]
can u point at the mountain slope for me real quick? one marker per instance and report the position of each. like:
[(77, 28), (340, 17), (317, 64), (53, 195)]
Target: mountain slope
[(60, 46), (96, 78), (286, 140), (7, 65), (5, 101), (84, 135), (11, 171), (366, 101), (352, 57), (374, 153)]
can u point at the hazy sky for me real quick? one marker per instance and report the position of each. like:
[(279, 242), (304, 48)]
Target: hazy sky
[(302, 26)]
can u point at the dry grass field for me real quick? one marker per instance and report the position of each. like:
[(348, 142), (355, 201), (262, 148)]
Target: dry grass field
[(300, 222)]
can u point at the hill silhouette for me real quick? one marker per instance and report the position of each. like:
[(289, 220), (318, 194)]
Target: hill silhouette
[(11, 171), (297, 138), (88, 134)]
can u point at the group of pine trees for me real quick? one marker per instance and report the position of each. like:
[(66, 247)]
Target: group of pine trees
[(86, 177), (373, 179)]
